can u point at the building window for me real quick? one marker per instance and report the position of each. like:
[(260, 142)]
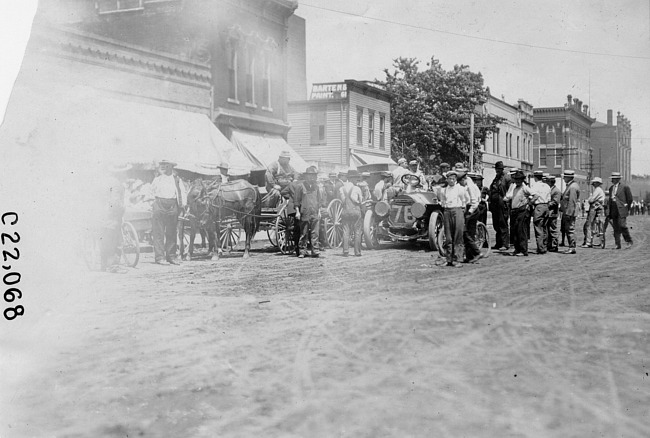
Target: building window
[(518, 152), (232, 73), (558, 157), (318, 125), (542, 157), (266, 83), (382, 131), (371, 129), (250, 77), (498, 145), (495, 142), (359, 126)]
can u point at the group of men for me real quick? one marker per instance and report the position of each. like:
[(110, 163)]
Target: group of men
[(512, 200)]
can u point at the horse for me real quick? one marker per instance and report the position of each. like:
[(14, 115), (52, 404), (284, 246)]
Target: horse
[(239, 198), (195, 210)]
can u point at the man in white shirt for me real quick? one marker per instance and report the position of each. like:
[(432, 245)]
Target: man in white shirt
[(540, 213), (380, 191), (596, 210), (413, 169), (472, 251), (351, 197), (521, 197), (454, 198), (167, 203)]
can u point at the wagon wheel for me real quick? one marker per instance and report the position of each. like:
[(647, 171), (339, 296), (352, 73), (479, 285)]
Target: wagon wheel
[(482, 239), (283, 230), (130, 245), (271, 232), (333, 224), (230, 233)]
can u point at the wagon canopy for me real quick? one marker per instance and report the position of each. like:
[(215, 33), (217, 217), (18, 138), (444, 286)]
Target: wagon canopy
[(101, 129), (264, 149)]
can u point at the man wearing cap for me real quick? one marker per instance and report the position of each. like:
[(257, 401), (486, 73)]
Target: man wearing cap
[(365, 188), (351, 216), (278, 173), (552, 230), (522, 198), (620, 201), (402, 168), (540, 212), (596, 204), (454, 198), (293, 225), (307, 204), (472, 214), (414, 170), (380, 191), (499, 208), (167, 204), (569, 208)]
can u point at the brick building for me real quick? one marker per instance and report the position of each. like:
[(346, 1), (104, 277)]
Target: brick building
[(562, 140), (612, 148)]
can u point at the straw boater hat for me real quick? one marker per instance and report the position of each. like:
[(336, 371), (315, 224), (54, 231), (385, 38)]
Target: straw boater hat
[(401, 160), (166, 162), (616, 175), (569, 174), (285, 154), (365, 174), (597, 180), (333, 174), (413, 162), (538, 173)]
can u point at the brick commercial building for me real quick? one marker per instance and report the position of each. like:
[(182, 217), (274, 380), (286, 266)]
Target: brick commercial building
[(612, 149)]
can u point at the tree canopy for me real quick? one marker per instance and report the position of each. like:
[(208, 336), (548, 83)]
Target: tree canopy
[(430, 113)]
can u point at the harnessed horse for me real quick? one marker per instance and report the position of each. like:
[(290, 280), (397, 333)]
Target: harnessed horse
[(238, 198), (196, 209)]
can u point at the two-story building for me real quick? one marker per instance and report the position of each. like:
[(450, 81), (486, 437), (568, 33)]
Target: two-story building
[(512, 142), (342, 125), (562, 140), (226, 59)]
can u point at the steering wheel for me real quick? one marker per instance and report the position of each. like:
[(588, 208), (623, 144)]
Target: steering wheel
[(411, 180)]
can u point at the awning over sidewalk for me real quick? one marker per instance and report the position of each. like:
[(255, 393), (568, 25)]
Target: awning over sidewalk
[(104, 130), (264, 149), (359, 159)]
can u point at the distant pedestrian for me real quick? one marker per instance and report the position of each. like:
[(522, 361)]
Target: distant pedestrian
[(569, 206), (596, 204), (540, 212), (620, 201)]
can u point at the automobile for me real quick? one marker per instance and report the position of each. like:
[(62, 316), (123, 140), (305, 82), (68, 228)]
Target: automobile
[(414, 214)]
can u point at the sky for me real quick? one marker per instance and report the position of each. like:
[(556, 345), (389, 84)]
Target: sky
[(597, 51)]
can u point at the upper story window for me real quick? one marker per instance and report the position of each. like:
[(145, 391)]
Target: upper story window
[(542, 157), (250, 77), (318, 123), (371, 129), (113, 6), (233, 62), (265, 82), (382, 131), (359, 126)]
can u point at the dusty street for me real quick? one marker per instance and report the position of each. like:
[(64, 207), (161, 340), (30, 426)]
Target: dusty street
[(388, 344)]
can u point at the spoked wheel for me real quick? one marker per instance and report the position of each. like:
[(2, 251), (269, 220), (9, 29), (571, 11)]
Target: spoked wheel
[(230, 232), (334, 224), (130, 245), (437, 233), (283, 231), (597, 234), (91, 251), (482, 239), (271, 231), (370, 231)]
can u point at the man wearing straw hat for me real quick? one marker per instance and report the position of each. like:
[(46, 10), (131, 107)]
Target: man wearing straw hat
[(620, 202), (553, 209), (569, 208), (596, 204), (168, 200)]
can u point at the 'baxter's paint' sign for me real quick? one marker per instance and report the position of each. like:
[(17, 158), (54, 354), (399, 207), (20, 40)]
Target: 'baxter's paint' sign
[(329, 91)]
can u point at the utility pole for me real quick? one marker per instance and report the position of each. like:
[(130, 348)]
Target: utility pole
[(471, 142)]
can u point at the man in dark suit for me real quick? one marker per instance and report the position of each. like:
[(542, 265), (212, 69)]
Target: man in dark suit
[(620, 202), (569, 206), (499, 208)]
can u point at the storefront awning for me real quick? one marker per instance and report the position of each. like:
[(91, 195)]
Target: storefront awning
[(264, 149), (100, 129), (360, 159)]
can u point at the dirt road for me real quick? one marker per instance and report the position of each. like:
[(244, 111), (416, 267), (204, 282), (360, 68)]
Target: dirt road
[(388, 344)]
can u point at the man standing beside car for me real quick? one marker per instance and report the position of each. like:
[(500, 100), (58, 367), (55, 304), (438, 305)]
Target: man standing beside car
[(499, 208), (454, 199)]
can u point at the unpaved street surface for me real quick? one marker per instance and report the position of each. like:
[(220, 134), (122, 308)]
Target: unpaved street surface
[(384, 345)]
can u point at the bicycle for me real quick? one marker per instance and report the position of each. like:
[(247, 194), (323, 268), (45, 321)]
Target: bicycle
[(129, 247)]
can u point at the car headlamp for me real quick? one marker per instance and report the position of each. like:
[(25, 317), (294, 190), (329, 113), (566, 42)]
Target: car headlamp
[(418, 210), (382, 208)]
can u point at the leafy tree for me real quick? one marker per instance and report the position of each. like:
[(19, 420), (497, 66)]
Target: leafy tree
[(430, 113)]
